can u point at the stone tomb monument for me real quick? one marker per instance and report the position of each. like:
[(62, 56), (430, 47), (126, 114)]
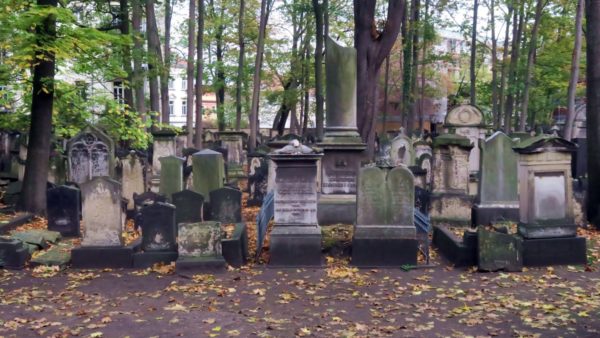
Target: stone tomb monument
[(63, 210), (159, 236), (546, 202), (384, 233), (102, 243), (450, 199), (188, 206), (171, 175), (233, 141), (296, 237), (208, 171), (342, 145), (226, 205), (199, 246), (498, 195), (90, 154), (132, 177), (401, 150)]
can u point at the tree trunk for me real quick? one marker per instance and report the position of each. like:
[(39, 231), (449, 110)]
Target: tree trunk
[(264, 6), (512, 71), (372, 48), (124, 28), (593, 109), (199, 74), (138, 46), (319, 96), (503, 69), (385, 94), (407, 41), (494, 64), (574, 72), (166, 67), (33, 194), (530, 63), (189, 100), (415, 67), (240, 74), (154, 58), (219, 84), (472, 68)]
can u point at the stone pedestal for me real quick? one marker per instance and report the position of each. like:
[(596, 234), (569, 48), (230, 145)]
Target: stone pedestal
[(296, 237), (385, 234)]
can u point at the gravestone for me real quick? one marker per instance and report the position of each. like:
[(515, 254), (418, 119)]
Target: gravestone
[(171, 175), (57, 170), (159, 232), (258, 172), (467, 121), (296, 237), (141, 200), (498, 251), (226, 205), (401, 150), (22, 156), (63, 211), (90, 154), (163, 146), (385, 234), (342, 146), (199, 246), (498, 190), (102, 212), (208, 171), (132, 177), (451, 202), (233, 141), (188, 206)]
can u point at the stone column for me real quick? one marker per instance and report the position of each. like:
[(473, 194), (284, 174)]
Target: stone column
[(296, 237)]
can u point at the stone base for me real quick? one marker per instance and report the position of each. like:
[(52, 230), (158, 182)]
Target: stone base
[(335, 209), (460, 252), (535, 231), (149, 258), (384, 252), (451, 208), (483, 214), (499, 251), (235, 249), (295, 246), (191, 265), (89, 257), (554, 251), (13, 255)]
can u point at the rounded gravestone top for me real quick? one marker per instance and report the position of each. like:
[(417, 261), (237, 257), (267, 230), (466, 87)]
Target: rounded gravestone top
[(464, 116), (207, 152)]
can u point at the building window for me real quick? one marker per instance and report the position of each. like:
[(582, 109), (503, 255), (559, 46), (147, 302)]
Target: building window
[(171, 84), (184, 107), (184, 83), (119, 92), (171, 108)]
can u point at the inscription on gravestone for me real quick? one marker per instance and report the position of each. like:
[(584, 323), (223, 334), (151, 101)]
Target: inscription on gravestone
[(295, 200), (102, 214)]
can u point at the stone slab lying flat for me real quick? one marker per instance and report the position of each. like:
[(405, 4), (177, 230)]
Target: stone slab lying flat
[(15, 222), (57, 255)]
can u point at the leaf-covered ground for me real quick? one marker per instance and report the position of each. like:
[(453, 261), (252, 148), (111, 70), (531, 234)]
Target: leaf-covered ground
[(335, 301)]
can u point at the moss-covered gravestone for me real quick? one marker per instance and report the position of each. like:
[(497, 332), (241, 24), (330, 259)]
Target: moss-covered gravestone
[(209, 171), (171, 175), (384, 234), (199, 246)]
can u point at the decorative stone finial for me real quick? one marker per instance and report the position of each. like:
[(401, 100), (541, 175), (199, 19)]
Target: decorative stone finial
[(295, 148)]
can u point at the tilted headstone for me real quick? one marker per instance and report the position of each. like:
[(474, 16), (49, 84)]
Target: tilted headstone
[(199, 239), (159, 231), (132, 177), (188, 206), (226, 205), (171, 175), (208, 171), (102, 212), (90, 154), (63, 211)]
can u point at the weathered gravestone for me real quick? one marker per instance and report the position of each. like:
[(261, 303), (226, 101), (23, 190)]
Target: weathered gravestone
[(226, 205), (401, 151), (141, 200), (159, 235), (102, 243), (208, 171), (188, 206), (385, 234), (13, 254), (233, 141), (132, 177), (296, 237), (498, 195), (199, 246), (467, 121), (258, 172), (90, 154), (171, 175), (63, 211), (546, 202), (163, 146), (499, 251), (342, 146)]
